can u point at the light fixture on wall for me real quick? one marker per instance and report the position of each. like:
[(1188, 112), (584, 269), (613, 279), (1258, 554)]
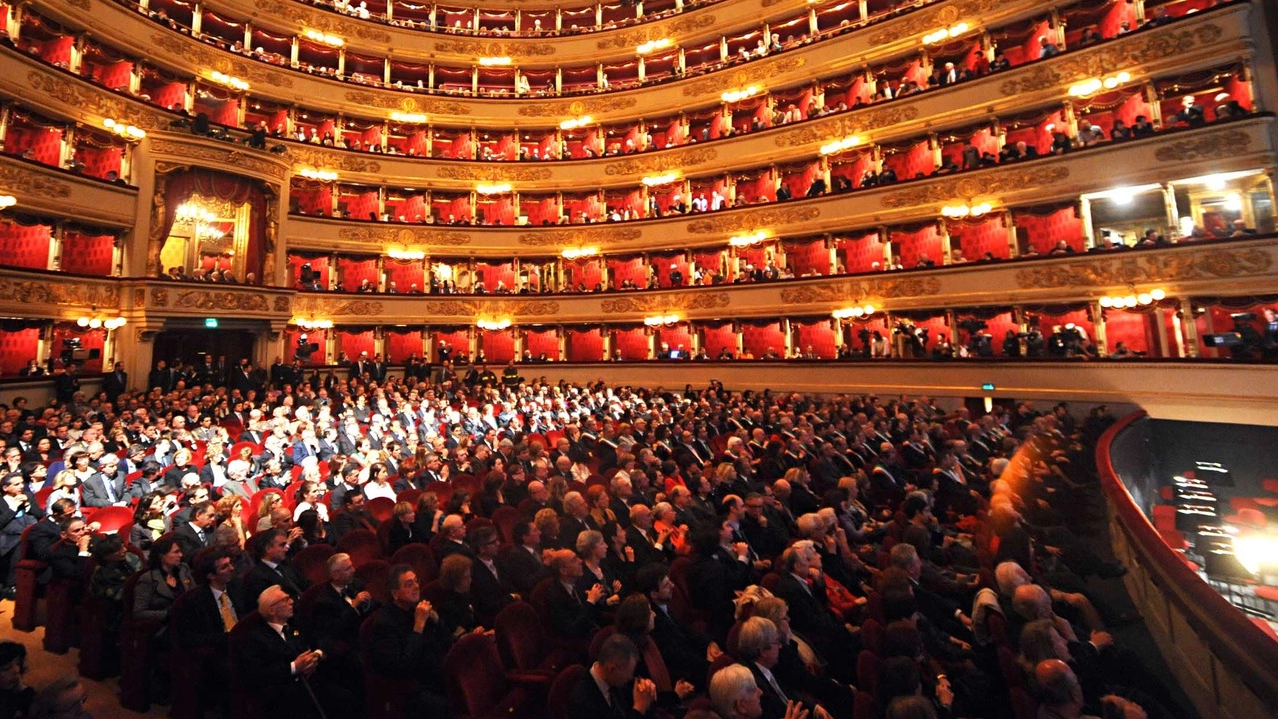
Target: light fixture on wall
[(742, 94), (662, 179), (198, 220), (653, 46), (494, 188), (311, 324), (311, 173), (410, 118), (752, 238), (494, 61), (661, 320), (947, 33), (573, 123), (397, 253), (323, 38), (225, 80), (1133, 299), (1096, 84), (576, 253), (123, 129), (853, 312), (7, 201), (837, 146), (961, 211), (493, 325), (96, 321)]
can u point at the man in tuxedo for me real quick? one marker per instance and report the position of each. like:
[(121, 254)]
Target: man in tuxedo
[(107, 487), (810, 613), (271, 566), (196, 534), (71, 552), (606, 691), (150, 481), (48, 531), (573, 521), (280, 668), (649, 544), (340, 607), (522, 565), (488, 586), (162, 376), (203, 619), (407, 642), (686, 651), (116, 383), (360, 366)]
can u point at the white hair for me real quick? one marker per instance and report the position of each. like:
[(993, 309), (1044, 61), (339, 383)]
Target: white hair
[(729, 686)]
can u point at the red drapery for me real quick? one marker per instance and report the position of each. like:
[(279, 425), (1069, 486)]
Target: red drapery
[(539, 342), (585, 345), (759, 339), (181, 185), (715, 339), (498, 346), (16, 348), (975, 238), (402, 343), (25, 246)]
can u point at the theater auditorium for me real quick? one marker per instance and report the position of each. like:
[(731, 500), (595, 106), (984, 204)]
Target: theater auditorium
[(718, 359)]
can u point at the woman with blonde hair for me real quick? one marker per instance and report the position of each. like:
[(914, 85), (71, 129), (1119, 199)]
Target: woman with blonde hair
[(403, 530), (65, 486), (269, 503), (230, 520), (429, 516), (600, 514)]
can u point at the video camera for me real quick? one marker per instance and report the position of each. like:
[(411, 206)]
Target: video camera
[(308, 275), (305, 348), (74, 353)]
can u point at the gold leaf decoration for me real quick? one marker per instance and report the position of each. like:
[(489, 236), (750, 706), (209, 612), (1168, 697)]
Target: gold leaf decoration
[(744, 76), (160, 297), (576, 108), (319, 306), (858, 290), (404, 235), (579, 236), (754, 219), (322, 21), (1212, 146), (841, 126), (494, 48), (242, 160), (668, 302), (655, 31), (490, 173), (89, 99), (334, 159), (281, 303), (932, 18), (471, 308), (194, 51), (53, 291), (393, 101), (15, 178), (661, 161), (84, 5), (1126, 269), (981, 184), (224, 300)]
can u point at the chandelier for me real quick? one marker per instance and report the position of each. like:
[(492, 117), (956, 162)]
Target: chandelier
[(200, 219)]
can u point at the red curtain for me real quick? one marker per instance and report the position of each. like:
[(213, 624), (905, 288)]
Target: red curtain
[(715, 339), (498, 346), (405, 274), (227, 188), (807, 258), (402, 344), (1134, 329), (319, 264), (633, 343), (89, 339), (915, 160), (585, 345), (975, 238), (353, 272), (87, 254), (664, 267), (678, 338), (355, 342), (318, 337), (1036, 134), (861, 254), (1042, 228), (539, 342), (16, 348), (584, 271), (916, 245), (759, 339), (819, 335), (631, 269), (458, 341), (490, 275), (25, 246)]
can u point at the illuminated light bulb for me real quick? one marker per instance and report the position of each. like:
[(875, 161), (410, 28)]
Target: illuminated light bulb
[(95, 323), (1144, 298), (7, 201), (108, 123), (857, 312), (1130, 300), (1106, 302), (1158, 295), (1111, 83), (83, 322), (1124, 76), (869, 309), (1233, 203)]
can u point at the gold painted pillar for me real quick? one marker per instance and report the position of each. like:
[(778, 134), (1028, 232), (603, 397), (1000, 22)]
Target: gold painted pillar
[(1013, 249), (1102, 342), (1085, 215), (1189, 327)]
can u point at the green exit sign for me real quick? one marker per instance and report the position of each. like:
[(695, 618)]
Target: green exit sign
[(210, 322), (988, 386)]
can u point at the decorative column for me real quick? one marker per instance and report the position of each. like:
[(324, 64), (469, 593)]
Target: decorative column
[(1102, 344)]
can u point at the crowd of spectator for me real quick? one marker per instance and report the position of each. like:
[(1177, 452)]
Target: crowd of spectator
[(701, 553)]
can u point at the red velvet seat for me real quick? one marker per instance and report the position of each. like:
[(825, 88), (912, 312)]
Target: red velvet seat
[(135, 654), (420, 558), (872, 633), (504, 519), (384, 698), (362, 545), (374, 574), (522, 642), (186, 666), (1023, 705), (996, 628), (383, 537), (864, 706), (27, 586), (256, 501), (312, 562), (243, 704), (1011, 671), (409, 495), (113, 520), (382, 508), (97, 656), (558, 702), (304, 607), (476, 683), (61, 629), (868, 671)]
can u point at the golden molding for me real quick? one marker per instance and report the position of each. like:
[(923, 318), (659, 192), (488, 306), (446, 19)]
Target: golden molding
[(221, 60), (932, 18), (24, 181), (495, 48), (404, 235), (53, 291), (1215, 146), (387, 101), (319, 20), (1121, 55), (1109, 271), (744, 76), (577, 108), (222, 300), (669, 302), (662, 162), (839, 127), (857, 290), (329, 308), (92, 100), (84, 5), (226, 156), (333, 159), (634, 38), (507, 172), (579, 236), (983, 185), (754, 219), (472, 308)]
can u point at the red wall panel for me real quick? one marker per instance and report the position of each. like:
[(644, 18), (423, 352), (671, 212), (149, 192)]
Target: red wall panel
[(758, 340), (917, 245), (498, 346), (405, 275), (585, 345), (355, 343), (635, 344), (400, 345), (319, 264), (25, 245), (714, 339), (87, 255), (988, 234), (89, 340), (1043, 231), (17, 348), (819, 336), (458, 341), (355, 271), (1135, 329), (679, 337), (807, 258), (543, 341), (490, 275), (861, 254)]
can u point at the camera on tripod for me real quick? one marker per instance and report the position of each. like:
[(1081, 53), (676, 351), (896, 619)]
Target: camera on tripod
[(308, 275), (74, 353), (305, 348)]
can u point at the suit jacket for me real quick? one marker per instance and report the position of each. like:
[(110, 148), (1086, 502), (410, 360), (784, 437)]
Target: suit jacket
[(811, 617), (571, 616), (335, 622), (490, 593), (153, 597), (346, 521), (66, 562), (569, 528), (587, 702), (682, 647), (184, 534), (94, 491), (714, 579), (261, 577), (244, 489), (645, 551), (521, 569), (198, 620), (265, 659), (395, 651), (773, 704), (116, 384), (43, 536)]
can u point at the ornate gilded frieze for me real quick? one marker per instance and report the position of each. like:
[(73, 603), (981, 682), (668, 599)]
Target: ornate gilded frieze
[(405, 235), (859, 290), (1123, 54), (755, 72), (95, 100), (836, 128), (761, 218), (228, 155), (638, 36), (242, 301), (389, 101), (668, 302), (308, 305), (929, 19), (496, 48), (220, 60), (1108, 270), (674, 160), (59, 292), (503, 308), (577, 108), (579, 236), (333, 159), (1206, 147), (507, 172), (320, 20), (15, 178), (982, 185)]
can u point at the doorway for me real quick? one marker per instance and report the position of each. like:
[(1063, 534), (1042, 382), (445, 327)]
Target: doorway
[(188, 344)]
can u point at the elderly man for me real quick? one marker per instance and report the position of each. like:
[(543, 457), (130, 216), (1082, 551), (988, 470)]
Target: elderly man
[(736, 695), (407, 642)]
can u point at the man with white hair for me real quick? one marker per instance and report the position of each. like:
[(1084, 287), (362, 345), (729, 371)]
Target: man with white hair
[(736, 695), (239, 480)]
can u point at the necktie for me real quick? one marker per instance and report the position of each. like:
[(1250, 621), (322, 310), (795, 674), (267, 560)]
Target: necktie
[(110, 490), (227, 611), (200, 534), (777, 688)]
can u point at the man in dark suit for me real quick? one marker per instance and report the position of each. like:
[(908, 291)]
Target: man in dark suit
[(340, 608), (71, 552), (116, 383), (161, 377), (810, 613), (107, 487), (407, 642), (606, 691), (202, 619), (522, 565), (271, 566), (571, 615), (488, 586), (353, 515), (649, 544), (685, 650), (196, 534), (48, 532), (573, 521)]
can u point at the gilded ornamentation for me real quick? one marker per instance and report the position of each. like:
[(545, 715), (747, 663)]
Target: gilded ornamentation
[(84, 5), (661, 162), (576, 108), (228, 301), (223, 155), (388, 101), (1214, 146), (323, 307), (160, 297), (206, 57), (281, 303), (633, 38), (932, 18), (344, 161), (744, 76), (404, 235), (471, 308), (1105, 271), (50, 291), (838, 127), (93, 100), (322, 21), (579, 236), (754, 219), (493, 48), (857, 290), (984, 184), (490, 173), (22, 180), (1111, 57), (676, 302), (139, 297)]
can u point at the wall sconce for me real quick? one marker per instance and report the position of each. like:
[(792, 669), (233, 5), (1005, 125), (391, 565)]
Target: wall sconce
[(574, 253), (653, 46), (573, 123), (493, 325), (753, 238), (494, 61), (944, 34), (661, 320), (853, 312), (7, 201), (311, 324), (958, 212), (838, 146), (493, 188), (658, 180), (397, 253), (97, 321), (128, 132), (409, 118), (1096, 84), (234, 83), (739, 95), (311, 173), (1133, 299), (324, 38)]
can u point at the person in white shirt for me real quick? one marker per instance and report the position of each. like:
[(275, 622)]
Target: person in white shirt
[(308, 497)]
